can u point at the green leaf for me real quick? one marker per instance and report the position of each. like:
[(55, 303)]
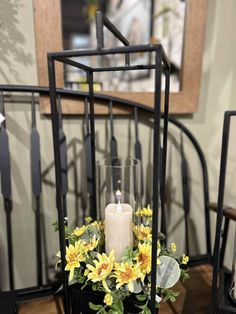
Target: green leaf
[(142, 307), (91, 231), (145, 309), (55, 225), (141, 297), (95, 307), (166, 298), (129, 255), (161, 236), (184, 275), (137, 286), (93, 254), (85, 236), (157, 305), (169, 295), (174, 293), (117, 307), (172, 298)]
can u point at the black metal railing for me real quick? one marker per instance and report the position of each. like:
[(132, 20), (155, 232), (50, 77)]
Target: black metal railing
[(40, 287)]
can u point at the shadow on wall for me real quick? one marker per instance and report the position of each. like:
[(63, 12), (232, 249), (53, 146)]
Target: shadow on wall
[(11, 40)]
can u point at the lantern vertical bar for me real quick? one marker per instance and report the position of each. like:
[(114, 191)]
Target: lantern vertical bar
[(58, 177), (93, 206), (5, 170), (224, 241), (216, 254), (99, 30), (156, 172), (8, 209), (207, 212), (36, 188), (164, 150)]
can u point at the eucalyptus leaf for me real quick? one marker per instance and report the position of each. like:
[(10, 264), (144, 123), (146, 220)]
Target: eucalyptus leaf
[(137, 286), (93, 254), (95, 307), (92, 231), (85, 236)]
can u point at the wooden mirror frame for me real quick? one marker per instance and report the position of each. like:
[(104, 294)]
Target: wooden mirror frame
[(48, 36)]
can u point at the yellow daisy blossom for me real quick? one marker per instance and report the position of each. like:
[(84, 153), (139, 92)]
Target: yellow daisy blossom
[(185, 259), (103, 267), (88, 219), (98, 225), (173, 247), (79, 231), (75, 254), (108, 299), (92, 244), (144, 257), (144, 212), (126, 273), (143, 233)]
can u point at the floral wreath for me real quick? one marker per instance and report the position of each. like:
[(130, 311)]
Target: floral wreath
[(88, 265)]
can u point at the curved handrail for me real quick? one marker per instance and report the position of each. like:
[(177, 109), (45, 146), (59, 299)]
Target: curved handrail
[(120, 101)]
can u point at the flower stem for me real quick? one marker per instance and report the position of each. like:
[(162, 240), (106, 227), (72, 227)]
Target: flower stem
[(103, 308)]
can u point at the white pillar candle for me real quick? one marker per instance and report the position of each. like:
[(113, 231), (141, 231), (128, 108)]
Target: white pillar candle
[(118, 229)]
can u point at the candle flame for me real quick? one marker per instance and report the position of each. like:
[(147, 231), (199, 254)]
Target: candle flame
[(118, 197)]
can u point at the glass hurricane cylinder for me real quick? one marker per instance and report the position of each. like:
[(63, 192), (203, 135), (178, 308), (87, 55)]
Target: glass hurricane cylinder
[(118, 197)]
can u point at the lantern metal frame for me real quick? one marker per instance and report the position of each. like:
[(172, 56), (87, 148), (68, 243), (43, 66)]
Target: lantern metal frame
[(221, 281), (161, 65)]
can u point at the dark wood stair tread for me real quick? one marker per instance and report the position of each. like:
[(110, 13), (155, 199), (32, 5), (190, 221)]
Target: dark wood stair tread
[(228, 211)]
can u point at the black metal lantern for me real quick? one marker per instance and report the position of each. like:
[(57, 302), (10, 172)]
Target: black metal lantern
[(223, 282), (161, 65)]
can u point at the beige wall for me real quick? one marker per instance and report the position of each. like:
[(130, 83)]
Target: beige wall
[(218, 94), (17, 66)]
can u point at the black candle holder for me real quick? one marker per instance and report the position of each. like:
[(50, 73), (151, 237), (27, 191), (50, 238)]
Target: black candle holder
[(160, 65)]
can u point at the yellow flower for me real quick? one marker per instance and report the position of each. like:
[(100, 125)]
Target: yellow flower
[(74, 255), (86, 272), (88, 220), (79, 231), (144, 212), (143, 233), (126, 273), (185, 259), (92, 244), (103, 267), (173, 247), (98, 225), (144, 257), (108, 299)]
